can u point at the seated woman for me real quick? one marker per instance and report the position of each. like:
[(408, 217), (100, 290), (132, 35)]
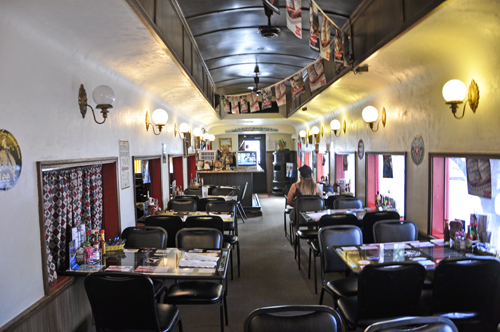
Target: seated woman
[(305, 186)]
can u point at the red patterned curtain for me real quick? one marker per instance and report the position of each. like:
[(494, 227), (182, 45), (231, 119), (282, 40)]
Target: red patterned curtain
[(70, 197)]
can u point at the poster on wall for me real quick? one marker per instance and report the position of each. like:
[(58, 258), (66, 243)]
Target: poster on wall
[(479, 177), (124, 164), (10, 160), (387, 172)]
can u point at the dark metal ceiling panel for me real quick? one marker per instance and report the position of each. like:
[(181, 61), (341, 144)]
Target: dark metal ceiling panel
[(260, 58)]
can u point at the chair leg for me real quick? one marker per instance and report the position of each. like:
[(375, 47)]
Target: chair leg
[(221, 315), (315, 276), (309, 265), (225, 310), (298, 249), (180, 325), (240, 210), (238, 254), (321, 296), (243, 210), (231, 258)]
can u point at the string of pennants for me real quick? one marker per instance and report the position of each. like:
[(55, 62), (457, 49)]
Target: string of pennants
[(319, 41)]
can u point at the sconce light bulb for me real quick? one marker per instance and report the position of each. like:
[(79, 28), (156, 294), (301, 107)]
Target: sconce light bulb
[(184, 128), (160, 117), (335, 124), (370, 114), (211, 137), (302, 134), (454, 91), (206, 136), (294, 137), (103, 95), (197, 132), (315, 130)]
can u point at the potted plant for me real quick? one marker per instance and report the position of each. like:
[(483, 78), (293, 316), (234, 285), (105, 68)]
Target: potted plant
[(281, 144)]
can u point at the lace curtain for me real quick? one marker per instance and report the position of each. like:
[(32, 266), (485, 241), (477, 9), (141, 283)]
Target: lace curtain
[(70, 197)]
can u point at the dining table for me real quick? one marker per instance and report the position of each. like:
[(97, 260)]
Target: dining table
[(312, 217), (167, 263), (427, 253)]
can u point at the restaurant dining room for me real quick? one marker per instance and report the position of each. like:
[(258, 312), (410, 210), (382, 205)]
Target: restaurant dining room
[(250, 165)]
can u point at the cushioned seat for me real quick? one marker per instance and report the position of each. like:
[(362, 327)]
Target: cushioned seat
[(415, 324)]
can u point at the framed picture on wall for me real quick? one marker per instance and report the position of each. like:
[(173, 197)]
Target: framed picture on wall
[(124, 164), (225, 144)]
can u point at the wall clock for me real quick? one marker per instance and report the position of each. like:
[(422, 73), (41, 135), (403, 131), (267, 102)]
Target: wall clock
[(10, 160)]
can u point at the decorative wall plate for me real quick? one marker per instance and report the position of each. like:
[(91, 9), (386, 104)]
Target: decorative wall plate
[(10, 160), (417, 150), (361, 149)]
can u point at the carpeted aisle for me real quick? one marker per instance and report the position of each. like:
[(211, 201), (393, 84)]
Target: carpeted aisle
[(269, 274)]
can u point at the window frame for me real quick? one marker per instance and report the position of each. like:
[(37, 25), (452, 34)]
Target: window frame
[(355, 167), (149, 157), (43, 166)]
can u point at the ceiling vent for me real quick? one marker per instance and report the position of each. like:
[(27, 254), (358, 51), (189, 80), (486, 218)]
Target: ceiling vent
[(268, 31)]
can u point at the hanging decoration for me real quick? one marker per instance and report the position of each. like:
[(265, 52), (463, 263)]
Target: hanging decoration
[(254, 102), (339, 50), (325, 38), (280, 90), (387, 171), (316, 73), (244, 104), (225, 102), (417, 150), (274, 5), (297, 84), (294, 17), (267, 95), (11, 160), (479, 177), (313, 27), (234, 105)]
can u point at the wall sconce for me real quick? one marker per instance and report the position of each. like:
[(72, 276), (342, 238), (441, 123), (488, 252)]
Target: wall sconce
[(454, 92), (160, 118), (302, 136), (315, 133), (103, 96), (335, 125), (370, 115), (184, 132), (294, 137)]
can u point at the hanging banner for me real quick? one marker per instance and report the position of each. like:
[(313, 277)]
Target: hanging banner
[(294, 17), (225, 102), (325, 38), (267, 95), (316, 73), (280, 91), (274, 5), (479, 177), (297, 84), (313, 27), (338, 56), (254, 102), (244, 104), (235, 109)]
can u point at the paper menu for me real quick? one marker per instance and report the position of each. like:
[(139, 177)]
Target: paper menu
[(119, 268)]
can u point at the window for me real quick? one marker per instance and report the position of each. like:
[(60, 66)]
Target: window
[(450, 199), (386, 174)]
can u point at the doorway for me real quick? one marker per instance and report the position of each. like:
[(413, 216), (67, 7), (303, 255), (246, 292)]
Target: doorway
[(256, 143)]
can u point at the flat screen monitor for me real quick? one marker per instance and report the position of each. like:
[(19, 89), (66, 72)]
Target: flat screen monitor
[(246, 158)]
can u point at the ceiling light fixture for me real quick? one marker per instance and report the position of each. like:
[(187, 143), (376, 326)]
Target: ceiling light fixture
[(103, 96), (160, 118), (370, 115), (454, 92)]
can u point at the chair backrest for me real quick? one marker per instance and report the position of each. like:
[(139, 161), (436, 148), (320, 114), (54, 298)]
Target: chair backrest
[(145, 237), (390, 290), (200, 238), (329, 201), (339, 235), (205, 221), (371, 218), (306, 203), (394, 231), (417, 324), (182, 204), (294, 318), (467, 284), (348, 203), (122, 301), (224, 191), (171, 224), (244, 192), (221, 206), (193, 191), (195, 197), (339, 219), (202, 203)]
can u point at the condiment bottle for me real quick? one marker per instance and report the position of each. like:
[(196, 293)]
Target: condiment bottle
[(102, 241), (446, 231)]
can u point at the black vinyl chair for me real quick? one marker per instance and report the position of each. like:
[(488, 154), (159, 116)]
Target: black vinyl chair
[(286, 212), (385, 291), (371, 218), (144, 237), (126, 302), (193, 191), (223, 191), (466, 291), (195, 197), (171, 224), (348, 203), (182, 204), (199, 292), (328, 220), (202, 203), (338, 235), (330, 199), (304, 203), (414, 324), (231, 191), (232, 238), (293, 318), (394, 231)]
